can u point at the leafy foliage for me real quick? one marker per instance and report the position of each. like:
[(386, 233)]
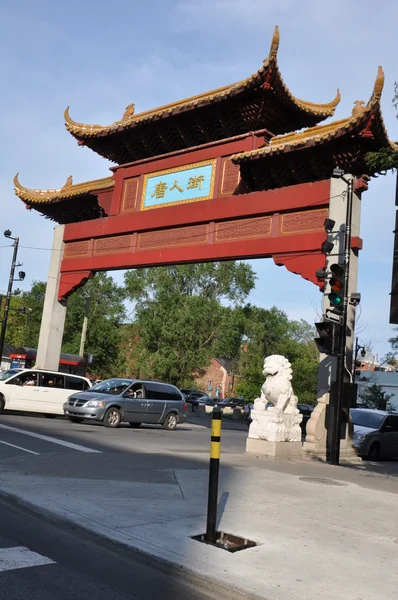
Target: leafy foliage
[(385, 159), (373, 396), (183, 317), (180, 317)]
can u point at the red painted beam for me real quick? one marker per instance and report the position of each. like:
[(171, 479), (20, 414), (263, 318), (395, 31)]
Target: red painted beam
[(248, 248), (291, 198)]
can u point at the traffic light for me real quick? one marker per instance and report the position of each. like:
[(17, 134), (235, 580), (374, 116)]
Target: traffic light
[(336, 282), (328, 337)]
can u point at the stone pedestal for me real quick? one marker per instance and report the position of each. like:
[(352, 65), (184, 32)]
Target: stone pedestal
[(275, 426), (274, 450)]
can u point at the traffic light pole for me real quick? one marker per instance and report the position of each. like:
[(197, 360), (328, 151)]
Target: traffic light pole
[(8, 298), (338, 401)]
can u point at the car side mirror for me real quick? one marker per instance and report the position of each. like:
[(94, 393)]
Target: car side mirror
[(387, 428)]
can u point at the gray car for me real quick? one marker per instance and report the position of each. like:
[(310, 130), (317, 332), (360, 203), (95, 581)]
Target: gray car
[(135, 401), (375, 433)]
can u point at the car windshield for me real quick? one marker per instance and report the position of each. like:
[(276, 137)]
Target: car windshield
[(6, 374), (111, 386), (363, 418)]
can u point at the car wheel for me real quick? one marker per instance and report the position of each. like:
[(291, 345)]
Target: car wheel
[(76, 419), (374, 452), (134, 425), (49, 416), (2, 403), (112, 417), (170, 422)]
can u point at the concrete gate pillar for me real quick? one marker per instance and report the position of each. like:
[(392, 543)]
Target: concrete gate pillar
[(317, 438), (54, 313)]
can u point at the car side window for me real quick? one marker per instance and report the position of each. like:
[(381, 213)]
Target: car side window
[(388, 425), (52, 380), (154, 391), (135, 391), (172, 393), (394, 420), (76, 383)]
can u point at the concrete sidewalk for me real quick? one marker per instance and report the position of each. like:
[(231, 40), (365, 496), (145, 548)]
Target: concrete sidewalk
[(317, 537)]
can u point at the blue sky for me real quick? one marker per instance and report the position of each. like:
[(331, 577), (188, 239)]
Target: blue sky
[(97, 57)]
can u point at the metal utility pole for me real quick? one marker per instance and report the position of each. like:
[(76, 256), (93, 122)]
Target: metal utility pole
[(84, 328), (338, 404), (9, 292), (363, 352)]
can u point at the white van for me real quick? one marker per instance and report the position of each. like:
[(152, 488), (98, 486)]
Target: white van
[(44, 392)]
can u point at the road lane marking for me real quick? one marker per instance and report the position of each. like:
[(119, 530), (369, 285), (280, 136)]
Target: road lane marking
[(19, 447), (47, 438), (21, 558)]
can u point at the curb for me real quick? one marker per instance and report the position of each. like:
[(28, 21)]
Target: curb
[(211, 586)]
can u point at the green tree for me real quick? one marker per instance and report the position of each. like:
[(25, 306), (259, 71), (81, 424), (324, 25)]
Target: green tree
[(181, 316), (23, 327), (373, 396), (105, 317), (269, 331)]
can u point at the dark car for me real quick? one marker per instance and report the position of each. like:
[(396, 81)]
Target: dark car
[(231, 403), (306, 410), (191, 397), (207, 401)]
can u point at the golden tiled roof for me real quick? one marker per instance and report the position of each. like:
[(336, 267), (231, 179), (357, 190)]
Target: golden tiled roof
[(130, 119), (320, 133), (69, 190)]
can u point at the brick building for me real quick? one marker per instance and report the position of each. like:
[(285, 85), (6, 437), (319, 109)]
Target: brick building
[(218, 379)]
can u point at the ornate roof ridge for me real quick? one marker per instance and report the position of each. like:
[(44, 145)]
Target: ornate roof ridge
[(69, 190), (131, 119), (321, 132)]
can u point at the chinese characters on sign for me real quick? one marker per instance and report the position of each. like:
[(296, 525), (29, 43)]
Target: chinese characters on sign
[(193, 183), (187, 184)]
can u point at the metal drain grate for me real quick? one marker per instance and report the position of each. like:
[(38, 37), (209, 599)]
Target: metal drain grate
[(227, 541), (323, 481)]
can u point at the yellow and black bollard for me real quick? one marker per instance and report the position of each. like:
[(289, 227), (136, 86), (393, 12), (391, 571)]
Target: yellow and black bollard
[(215, 445)]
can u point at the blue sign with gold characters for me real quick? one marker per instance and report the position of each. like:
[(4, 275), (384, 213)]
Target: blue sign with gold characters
[(176, 186)]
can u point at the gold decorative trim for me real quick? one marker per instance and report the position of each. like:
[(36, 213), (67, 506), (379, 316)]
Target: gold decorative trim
[(69, 252), (204, 163), (227, 161), (320, 133), (69, 190), (131, 119), (379, 84), (302, 213), (243, 221), (178, 230), (125, 187)]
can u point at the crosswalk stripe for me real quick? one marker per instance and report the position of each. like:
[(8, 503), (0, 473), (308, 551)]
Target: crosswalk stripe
[(21, 558), (19, 447), (53, 440)]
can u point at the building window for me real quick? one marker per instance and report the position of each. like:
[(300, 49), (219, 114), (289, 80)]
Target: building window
[(209, 386)]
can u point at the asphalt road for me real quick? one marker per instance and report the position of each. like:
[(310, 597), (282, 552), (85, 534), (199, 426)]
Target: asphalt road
[(29, 434), (40, 559)]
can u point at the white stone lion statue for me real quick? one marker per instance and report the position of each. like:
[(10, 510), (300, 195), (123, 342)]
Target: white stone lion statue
[(281, 421), (277, 388)]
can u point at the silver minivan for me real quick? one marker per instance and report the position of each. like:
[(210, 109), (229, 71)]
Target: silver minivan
[(375, 433), (134, 401)]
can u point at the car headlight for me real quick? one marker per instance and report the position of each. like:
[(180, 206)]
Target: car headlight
[(359, 436), (95, 403)]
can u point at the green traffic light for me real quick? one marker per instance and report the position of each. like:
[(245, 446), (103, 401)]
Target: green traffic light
[(335, 299)]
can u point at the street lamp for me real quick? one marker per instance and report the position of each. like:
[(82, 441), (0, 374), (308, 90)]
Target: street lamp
[(363, 353), (341, 354), (21, 276)]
